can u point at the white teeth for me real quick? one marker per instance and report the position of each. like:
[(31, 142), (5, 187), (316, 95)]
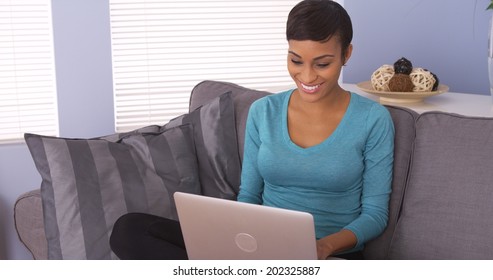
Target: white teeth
[(310, 88)]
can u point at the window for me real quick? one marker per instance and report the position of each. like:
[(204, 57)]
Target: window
[(162, 49), (27, 71)]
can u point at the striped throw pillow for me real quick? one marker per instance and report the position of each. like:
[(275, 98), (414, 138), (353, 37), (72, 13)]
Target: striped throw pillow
[(87, 184), (216, 144)]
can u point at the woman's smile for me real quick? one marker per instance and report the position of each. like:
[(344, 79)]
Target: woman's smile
[(310, 88)]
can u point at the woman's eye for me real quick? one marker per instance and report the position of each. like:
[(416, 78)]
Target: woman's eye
[(296, 62), (323, 65)]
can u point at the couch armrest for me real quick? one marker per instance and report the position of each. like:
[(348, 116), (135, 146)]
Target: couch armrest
[(28, 217)]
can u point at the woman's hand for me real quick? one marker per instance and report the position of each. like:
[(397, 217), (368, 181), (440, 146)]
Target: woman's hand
[(335, 243), (324, 249)]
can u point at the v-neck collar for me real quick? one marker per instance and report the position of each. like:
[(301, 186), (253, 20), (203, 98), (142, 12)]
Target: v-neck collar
[(340, 127)]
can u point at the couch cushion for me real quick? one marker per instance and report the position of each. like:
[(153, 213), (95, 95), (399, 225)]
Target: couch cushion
[(88, 184), (242, 99), (447, 212), (404, 120), (216, 145)]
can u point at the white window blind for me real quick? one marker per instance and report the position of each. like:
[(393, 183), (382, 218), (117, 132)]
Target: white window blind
[(27, 71), (162, 49)]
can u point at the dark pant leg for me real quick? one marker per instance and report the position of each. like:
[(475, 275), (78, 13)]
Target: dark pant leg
[(358, 255), (138, 236)]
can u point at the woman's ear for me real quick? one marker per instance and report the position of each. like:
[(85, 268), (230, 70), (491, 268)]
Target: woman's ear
[(348, 53)]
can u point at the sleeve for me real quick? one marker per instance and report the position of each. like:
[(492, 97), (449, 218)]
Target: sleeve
[(252, 183), (378, 159)]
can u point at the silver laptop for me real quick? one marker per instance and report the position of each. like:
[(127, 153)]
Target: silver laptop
[(220, 229)]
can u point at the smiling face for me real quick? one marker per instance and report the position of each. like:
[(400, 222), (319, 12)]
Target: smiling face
[(316, 66)]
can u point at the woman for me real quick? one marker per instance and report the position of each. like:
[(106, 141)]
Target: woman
[(317, 148)]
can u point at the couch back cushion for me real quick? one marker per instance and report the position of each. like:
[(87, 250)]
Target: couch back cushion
[(447, 212), (404, 121), (242, 99)]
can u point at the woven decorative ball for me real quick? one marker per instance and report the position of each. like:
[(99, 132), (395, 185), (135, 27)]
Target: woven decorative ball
[(380, 78), (401, 83), (422, 79)]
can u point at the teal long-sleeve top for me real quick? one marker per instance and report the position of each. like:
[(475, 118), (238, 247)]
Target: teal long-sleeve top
[(344, 182)]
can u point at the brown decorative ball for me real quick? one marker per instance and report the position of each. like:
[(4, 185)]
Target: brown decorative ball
[(401, 83)]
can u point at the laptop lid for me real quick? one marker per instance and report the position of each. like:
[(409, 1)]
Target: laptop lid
[(221, 229)]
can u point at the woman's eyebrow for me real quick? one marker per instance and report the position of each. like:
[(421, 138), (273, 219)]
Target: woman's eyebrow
[(295, 54), (316, 58)]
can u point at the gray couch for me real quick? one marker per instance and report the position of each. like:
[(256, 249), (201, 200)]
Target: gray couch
[(441, 205)]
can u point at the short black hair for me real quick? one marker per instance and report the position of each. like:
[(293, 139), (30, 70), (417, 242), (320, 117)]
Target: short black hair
[(319, 20)]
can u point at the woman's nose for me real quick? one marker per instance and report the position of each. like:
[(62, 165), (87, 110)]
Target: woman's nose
[(308, 75)]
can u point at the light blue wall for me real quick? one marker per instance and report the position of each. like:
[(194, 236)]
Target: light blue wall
[(449, 38), (83, 64), (17, 175), (84, 84)]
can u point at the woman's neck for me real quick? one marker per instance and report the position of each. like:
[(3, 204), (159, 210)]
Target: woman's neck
[(336, 101)]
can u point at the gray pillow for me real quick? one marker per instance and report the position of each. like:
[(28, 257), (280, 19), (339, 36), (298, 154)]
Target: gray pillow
[(87, 184), (216, 146), (242, 99), (447, 208), (117, 136)]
